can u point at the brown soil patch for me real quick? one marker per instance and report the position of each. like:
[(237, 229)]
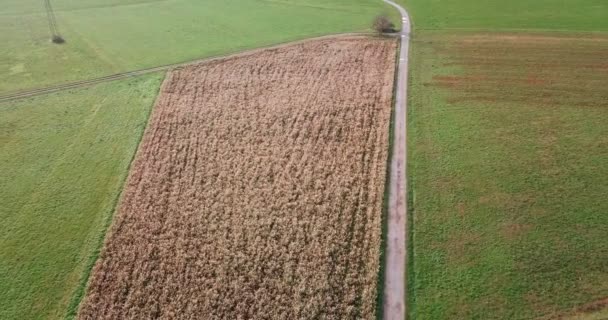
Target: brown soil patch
[(532, 38), (257, 190), (594, 306), (540, 71), (463, 248), (586, 311), (515, 230)]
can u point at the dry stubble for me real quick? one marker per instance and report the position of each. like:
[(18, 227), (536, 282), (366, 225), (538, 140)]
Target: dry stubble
[(256, 192)]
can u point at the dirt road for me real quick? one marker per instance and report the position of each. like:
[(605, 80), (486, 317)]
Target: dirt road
[(394, 282)]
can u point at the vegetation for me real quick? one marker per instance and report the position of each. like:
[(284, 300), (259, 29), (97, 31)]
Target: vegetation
[(383, 24), (64, 157), (509, 174), (110, 36), (257, 190), (579, 15), (508, 137), (57, 39)]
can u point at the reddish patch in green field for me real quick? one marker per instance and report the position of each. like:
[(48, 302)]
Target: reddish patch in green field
[(509, 172), (527, 69)]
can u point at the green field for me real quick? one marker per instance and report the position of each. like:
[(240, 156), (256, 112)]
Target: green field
[(63, 160), (111, 36), (508, 159), (564, 15), (508, 174)]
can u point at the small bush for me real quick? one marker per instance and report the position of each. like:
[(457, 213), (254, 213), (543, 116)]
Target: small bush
[(382, 24), (57, 39)]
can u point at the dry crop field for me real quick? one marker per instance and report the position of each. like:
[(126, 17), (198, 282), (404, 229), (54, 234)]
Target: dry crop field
[(257, 190)]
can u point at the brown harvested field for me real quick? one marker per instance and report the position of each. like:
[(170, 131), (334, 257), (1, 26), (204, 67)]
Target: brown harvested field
[(257, 190)]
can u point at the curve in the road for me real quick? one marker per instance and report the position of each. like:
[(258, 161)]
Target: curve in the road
[(394, 299)]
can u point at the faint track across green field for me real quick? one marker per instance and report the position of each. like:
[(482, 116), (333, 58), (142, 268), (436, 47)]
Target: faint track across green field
[(89, 82)]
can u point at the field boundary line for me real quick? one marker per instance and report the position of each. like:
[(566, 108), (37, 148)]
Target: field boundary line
[(394, 301), (79, 293), (129, 74)]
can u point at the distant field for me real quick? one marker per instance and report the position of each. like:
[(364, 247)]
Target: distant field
[(63, 160), (509, 174), (257, 190), (110, 36), (565, 15)]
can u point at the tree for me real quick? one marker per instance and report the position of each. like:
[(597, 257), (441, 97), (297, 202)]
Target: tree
[(383, 24)]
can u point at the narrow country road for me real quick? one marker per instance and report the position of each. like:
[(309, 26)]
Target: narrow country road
[(394, 281)]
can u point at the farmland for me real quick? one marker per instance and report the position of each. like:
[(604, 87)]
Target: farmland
[(110, 36), (514, 15), (64, 158), (257, 190), (508, 174)]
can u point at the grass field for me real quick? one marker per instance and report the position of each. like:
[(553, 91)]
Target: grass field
[(509, 174), (111, 36), (570, 15), (63, 160), (257, 190)]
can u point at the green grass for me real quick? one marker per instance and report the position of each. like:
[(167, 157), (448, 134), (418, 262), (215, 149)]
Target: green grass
[(63, 159), (565, 15), (508, 159), (509, 174), (110, 36)]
